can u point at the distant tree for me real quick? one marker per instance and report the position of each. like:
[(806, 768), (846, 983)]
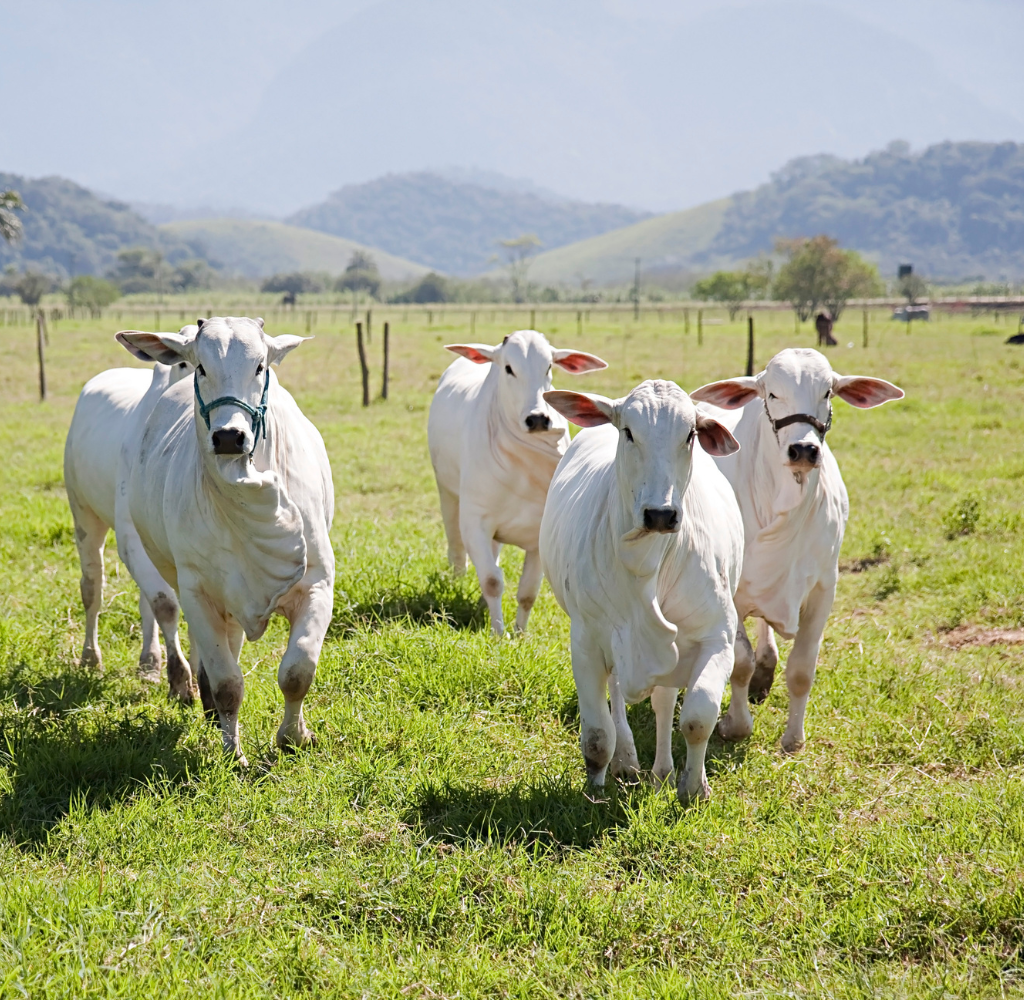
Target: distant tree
[(518, 254), (819, 274), (913, 287), (431, 287), (295, 283), (32, 286), (10, 224), (191, 275), (360, 275), (92, 293), (141, 269), (728, 287)]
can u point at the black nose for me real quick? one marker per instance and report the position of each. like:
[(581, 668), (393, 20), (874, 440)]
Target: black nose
[(538, 422), (661, 519), (809, 453), (228, 442)]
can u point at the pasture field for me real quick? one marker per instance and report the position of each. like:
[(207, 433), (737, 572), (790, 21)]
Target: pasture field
[(439, 840)]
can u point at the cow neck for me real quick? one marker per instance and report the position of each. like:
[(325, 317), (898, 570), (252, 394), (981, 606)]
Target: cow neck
[(528, 458), (775, 494), (261, 515)]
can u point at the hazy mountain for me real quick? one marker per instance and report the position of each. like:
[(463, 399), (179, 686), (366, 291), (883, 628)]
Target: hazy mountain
[(453, 225), (953, 210), (69, 230)]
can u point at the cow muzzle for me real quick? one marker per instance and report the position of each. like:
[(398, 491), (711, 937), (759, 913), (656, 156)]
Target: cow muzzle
[(664, 520), (803, 455), (229, 441), (537, 422)]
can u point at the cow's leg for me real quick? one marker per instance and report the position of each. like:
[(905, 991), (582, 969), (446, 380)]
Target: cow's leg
[(482, 547), (309, 622), (765, 661), (597, 729), (159, 595), (450, 516), (699, 713), (90, 537), (738, 723), (802, 662), (152, 657), (215, 635), (624, 762), (663, 701), (529, 587)]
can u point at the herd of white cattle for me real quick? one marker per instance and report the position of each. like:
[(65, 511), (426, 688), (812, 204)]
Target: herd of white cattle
[(661, 527)]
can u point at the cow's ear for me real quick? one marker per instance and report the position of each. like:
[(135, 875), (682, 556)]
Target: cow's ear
[(859, 390), (731, 393), (278, 347), (479, 354), (167, 348), (577, 362), (582, 408), (715, 438)]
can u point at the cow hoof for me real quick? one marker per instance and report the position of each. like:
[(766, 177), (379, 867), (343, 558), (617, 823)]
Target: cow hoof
[(289, 744), (150, 669), (626, 768), (702, 794), (760, 685), (661, 777), (791, 745), (186, 698), (732, 730), (91, 659)]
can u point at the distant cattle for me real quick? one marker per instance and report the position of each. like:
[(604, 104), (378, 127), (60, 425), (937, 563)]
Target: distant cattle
[(795, 509), (494, 444), (231, 493), (823, 324), (105, 430), (642, 542)]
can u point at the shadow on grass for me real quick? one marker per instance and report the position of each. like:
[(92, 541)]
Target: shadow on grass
[(445, 599), (59, 693), (84, 760), (556, 813)]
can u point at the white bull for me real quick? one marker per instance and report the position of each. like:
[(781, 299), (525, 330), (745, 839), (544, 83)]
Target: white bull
[(795, 509), (494, 444), (641, 542), (111, 412), (231, 493)]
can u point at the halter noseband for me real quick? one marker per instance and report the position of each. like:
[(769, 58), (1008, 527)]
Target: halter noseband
[(800, 418), (258, 413)]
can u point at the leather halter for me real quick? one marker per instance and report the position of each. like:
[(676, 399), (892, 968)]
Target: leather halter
[(258, 413), (800, 418)]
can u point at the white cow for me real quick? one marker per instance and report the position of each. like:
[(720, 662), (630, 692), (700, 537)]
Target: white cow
[(231, 493), (641, 542), (494, 444), (795, 510), (105, 429)]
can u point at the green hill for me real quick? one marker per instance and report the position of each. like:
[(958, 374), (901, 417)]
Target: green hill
[(257, 248), (953, 210)]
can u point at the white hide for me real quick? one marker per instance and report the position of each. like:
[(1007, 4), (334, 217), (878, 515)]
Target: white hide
[(492, 470), (240, 538), (794, 514), (651, 611), (111, 411)]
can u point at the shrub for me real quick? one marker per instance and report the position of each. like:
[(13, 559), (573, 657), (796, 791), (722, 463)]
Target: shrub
[(431, 287), (963, 517), (92, 293), (295, 283)]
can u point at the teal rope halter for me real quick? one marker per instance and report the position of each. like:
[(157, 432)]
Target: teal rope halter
[(258, 413)]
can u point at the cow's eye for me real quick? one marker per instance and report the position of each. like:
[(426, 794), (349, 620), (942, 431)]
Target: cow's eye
[(200, 370), (182, 364), (828, 392), (508, 369), (259, 368), (689, 438), (628, 433)]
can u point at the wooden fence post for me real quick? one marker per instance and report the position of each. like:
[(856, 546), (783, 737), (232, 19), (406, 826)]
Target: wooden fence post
[(700, 327), (362, 364), (369, 332), (472, 325), (40, 341), (533, 319), (686, 322), (865, 328), (579, 322), (750, 344), (387, 360)]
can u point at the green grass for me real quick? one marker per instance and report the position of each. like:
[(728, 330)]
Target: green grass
[(439, 841), (255, 247)]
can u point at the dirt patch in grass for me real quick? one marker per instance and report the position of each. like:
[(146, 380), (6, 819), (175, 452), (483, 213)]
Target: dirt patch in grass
[(864, 564), (976, 635)]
